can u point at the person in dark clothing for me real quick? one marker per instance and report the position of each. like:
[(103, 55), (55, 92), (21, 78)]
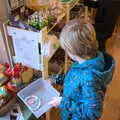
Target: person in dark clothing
[(107, 14)]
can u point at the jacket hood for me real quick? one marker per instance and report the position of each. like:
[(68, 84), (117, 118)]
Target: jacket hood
[(102, 66)]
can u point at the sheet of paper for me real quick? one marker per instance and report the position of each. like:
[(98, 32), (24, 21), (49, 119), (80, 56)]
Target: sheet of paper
[(26, 47)]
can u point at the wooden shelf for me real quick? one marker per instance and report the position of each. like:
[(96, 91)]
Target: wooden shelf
[(59, 18), (69, 4), (66, 7), (74, 3), (44, 37)]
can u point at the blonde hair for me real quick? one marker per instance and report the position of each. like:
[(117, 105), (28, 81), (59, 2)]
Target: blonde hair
[(78, 37)]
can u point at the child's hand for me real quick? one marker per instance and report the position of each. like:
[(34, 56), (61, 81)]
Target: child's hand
[(49, 81), (55, 101)]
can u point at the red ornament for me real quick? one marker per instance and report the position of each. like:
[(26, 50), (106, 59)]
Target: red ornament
[(8, 72), (7, 65), (17, 70)]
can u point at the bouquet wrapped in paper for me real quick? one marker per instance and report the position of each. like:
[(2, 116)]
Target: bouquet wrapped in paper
[(12, 80)]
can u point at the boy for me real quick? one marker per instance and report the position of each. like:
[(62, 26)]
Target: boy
[(86, 81)]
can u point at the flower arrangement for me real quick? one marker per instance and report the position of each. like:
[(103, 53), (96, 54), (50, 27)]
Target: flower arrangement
[(39, 20), (12, 80)]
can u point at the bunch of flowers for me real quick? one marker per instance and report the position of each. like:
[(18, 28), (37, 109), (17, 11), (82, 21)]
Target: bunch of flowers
[(11, 81)]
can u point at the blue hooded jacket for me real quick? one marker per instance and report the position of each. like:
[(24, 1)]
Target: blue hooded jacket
[(84, 88)]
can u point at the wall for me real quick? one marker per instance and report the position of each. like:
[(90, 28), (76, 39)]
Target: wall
[(3, 10)]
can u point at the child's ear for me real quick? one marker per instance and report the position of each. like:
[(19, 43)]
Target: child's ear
[(71, 55)]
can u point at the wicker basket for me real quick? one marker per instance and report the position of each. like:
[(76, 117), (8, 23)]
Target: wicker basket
[(38, 5), (7, 107)]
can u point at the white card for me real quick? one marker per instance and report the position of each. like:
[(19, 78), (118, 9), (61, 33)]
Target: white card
[(26, 47)]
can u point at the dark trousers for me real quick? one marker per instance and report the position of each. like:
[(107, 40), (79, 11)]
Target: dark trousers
[(107, 14)]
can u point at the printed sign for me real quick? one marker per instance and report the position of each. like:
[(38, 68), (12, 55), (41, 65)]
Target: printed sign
[(26, 47)]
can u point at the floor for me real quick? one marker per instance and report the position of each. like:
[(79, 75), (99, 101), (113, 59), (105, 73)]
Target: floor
[(112, 101)]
